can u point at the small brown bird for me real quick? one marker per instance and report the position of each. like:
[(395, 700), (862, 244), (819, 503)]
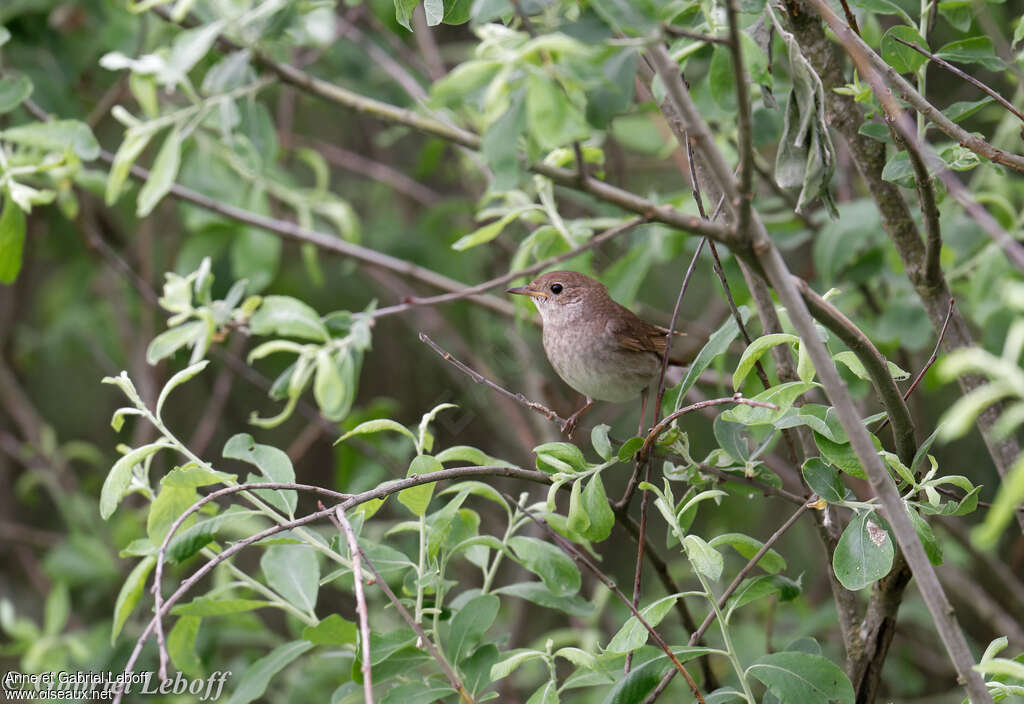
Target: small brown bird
[(598, 347)]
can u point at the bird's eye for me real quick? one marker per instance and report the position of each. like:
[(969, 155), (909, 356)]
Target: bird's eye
[(556, 289)]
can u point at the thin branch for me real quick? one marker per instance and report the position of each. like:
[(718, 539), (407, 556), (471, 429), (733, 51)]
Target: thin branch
[(481, 379), (928, 364), (965, 76), (643, 461), (697, 36), (345, 528), (724, 598), (744, 126), (360, 164), (505, 278), (578, 557), (874, 363)]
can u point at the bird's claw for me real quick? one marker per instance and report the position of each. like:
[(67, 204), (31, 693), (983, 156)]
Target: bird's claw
[(569, 426)]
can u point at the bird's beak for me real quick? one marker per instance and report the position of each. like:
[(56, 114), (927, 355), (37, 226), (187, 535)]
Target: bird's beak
[(527, 291)]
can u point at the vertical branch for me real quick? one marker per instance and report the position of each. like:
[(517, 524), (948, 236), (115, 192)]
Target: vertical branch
[(743, 121), (341, 522)]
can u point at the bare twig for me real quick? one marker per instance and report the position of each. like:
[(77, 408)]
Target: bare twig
[(341, 522), (965, 76), (480, 379), (744, 126), (360, 164), (927, 365), (697, 36)]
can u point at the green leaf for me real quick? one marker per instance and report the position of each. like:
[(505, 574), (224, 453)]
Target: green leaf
[(293, 572), (755, 588), (469, 625), (13, 91), (961, 110), (554, 567), (578, 521), (187, 49), (12, 240), (181, 645), (864, 553), (553, 120), (177, 380), (823, 480), (599, 511), (1008, 500), (434, 11), (131, 592), (852, 363), (333, 630), (601, 442), (56, 136), (560, 457), (717, 345), (721, 80), (630, 448), (329, 386), (704, 558), (771, 562), (802, 677), (882, 7), (133, 144), (488, 232), (417, 693), (926, 535), (290, 317), (188, 542), (782, 395), (500, 144), (253, 682), (404, 10), (120, 476), (841, 455), (755, 351), (171, 340), (633, 633), (273, 464), (204, 606), (162, 175), (900, 56), (376, 426), (546, 694), (511, 660), (537, 593), (172, 501), (974, 50), (417, 498)]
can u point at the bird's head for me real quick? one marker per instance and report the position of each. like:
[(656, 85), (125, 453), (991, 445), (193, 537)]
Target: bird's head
[(562, 295)]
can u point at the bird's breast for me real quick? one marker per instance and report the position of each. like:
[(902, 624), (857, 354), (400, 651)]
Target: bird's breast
[(595, 364)]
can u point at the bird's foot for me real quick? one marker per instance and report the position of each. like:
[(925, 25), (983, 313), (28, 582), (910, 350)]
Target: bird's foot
[(569, 426)]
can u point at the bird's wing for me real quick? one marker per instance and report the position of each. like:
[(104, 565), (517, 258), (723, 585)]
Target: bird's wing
[(637, 334)]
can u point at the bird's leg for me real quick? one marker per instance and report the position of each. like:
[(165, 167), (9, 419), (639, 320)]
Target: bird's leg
[(570, 424), (643, 412)]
